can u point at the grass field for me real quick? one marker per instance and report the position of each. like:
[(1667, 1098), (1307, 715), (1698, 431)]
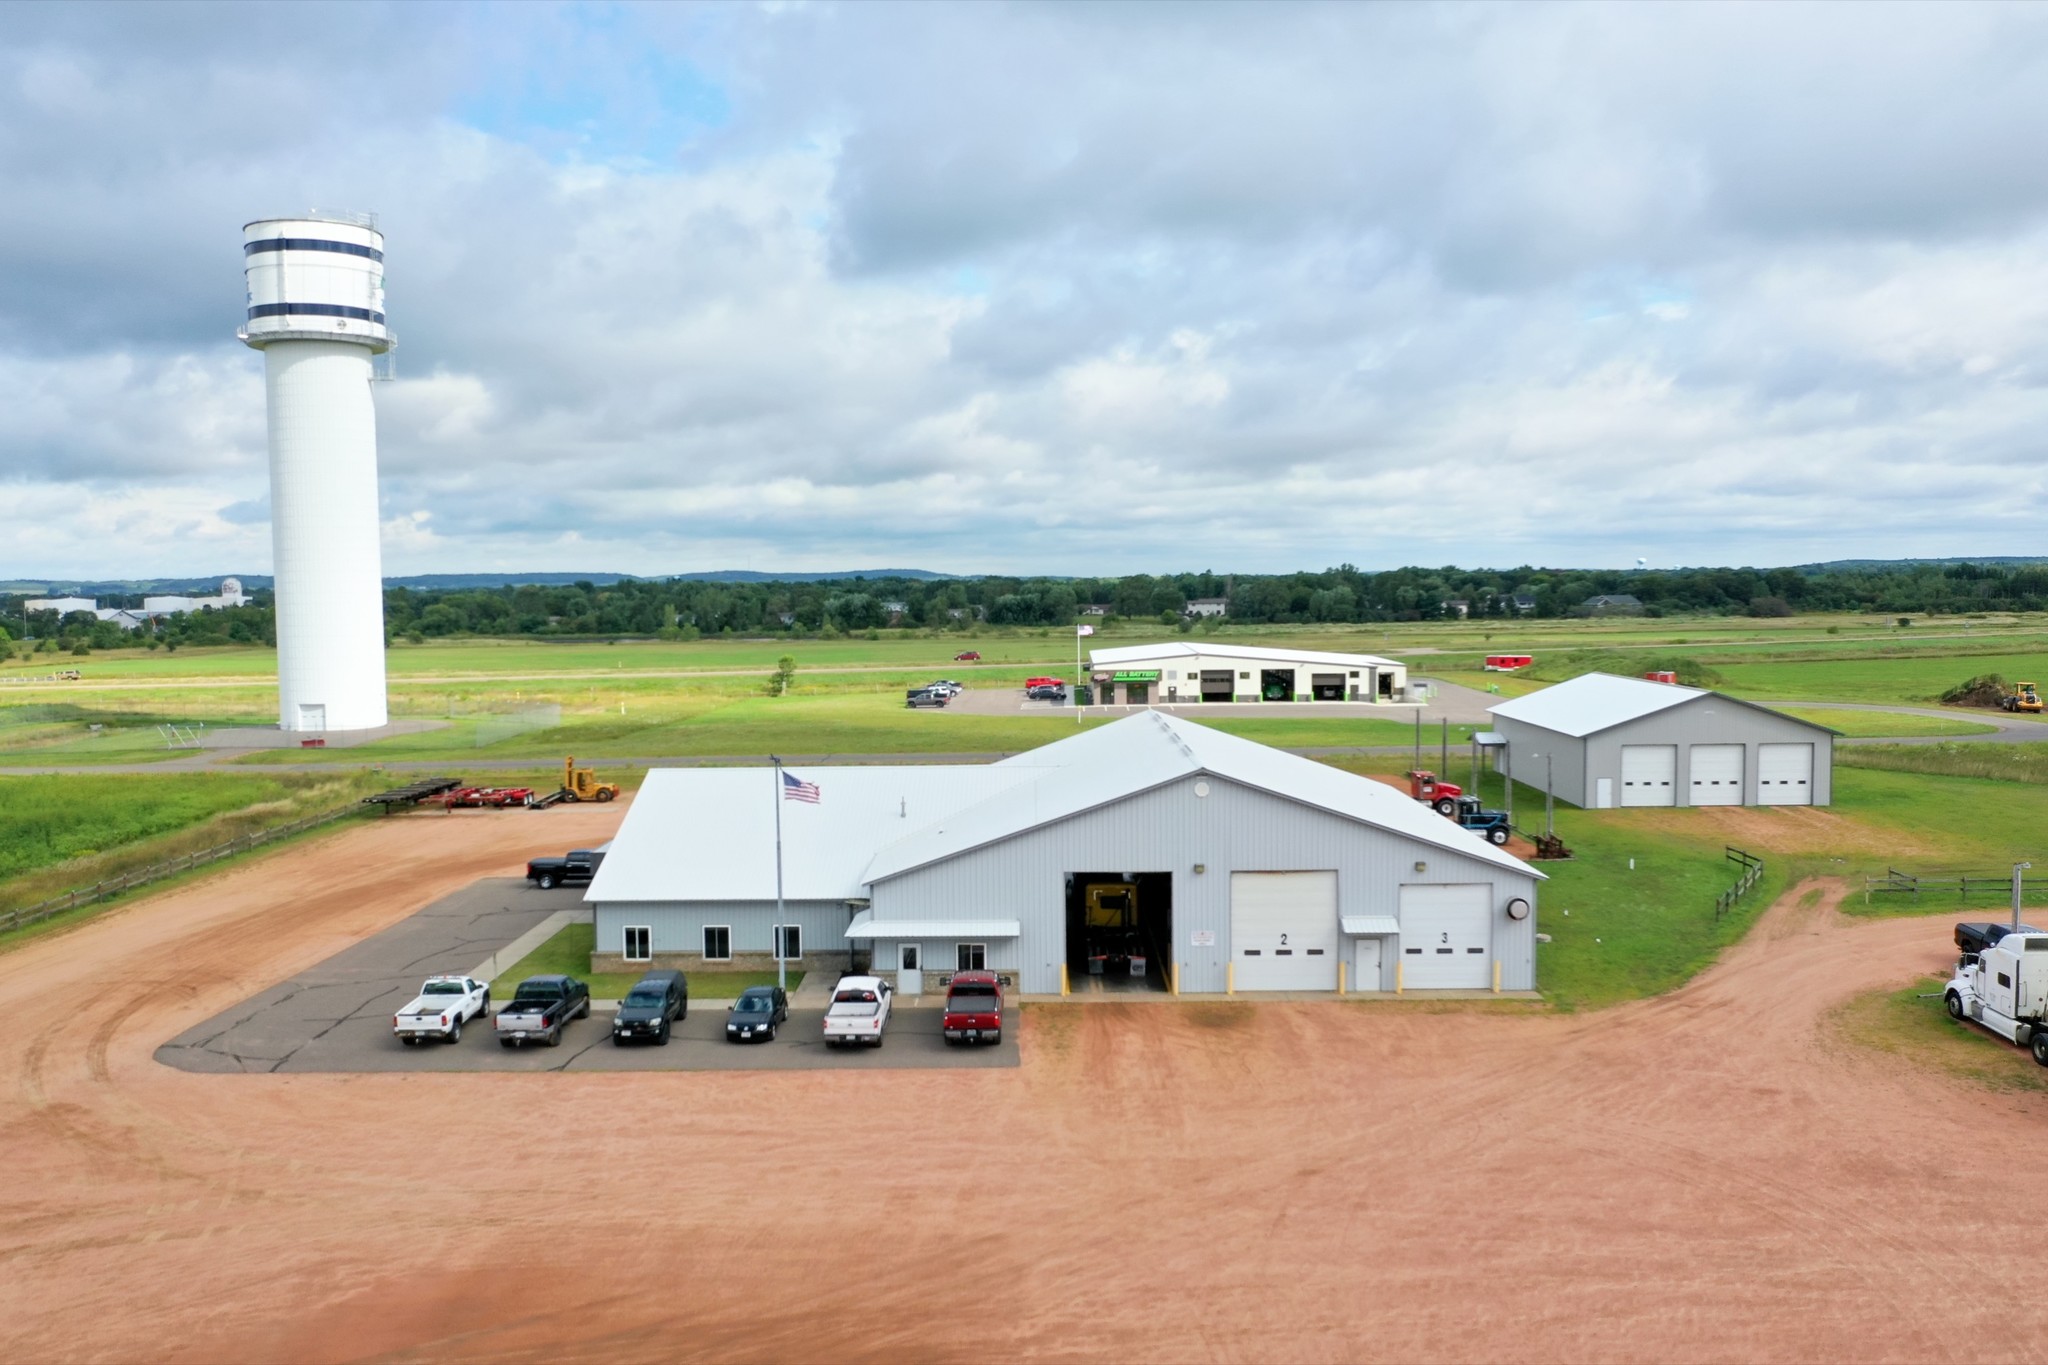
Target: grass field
[(1996, 762), (1912, 1024), (568, 953), (48, 820), (1888, 724)]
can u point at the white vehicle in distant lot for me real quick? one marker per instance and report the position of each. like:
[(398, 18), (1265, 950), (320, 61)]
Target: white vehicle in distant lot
[(2005, 989), (860, 1011), (443, 1006)]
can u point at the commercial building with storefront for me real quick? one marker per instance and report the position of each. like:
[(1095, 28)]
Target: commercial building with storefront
[(1176, 674), (1601, 740), (1149, 854)]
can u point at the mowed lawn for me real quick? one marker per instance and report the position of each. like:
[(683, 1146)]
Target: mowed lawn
[(1888, 724), (1919, 679)]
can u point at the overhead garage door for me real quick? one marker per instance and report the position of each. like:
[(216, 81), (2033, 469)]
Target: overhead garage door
[(1716, 774), (1283, 930), (1649, 774), (1784, 774), (1446, 937)]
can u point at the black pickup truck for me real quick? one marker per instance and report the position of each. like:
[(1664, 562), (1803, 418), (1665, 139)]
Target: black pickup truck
[(577, 866), (541, 1008)]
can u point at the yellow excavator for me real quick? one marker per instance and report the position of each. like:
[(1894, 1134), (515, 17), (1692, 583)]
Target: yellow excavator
[(2024, 697)]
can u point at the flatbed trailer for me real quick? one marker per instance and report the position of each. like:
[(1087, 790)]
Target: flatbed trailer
[(412, 793)]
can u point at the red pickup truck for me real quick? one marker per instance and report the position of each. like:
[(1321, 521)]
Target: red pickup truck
[(974, 1008)]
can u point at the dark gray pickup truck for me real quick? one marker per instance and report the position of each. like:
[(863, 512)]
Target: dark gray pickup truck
[(541, 1008), (568, 870)]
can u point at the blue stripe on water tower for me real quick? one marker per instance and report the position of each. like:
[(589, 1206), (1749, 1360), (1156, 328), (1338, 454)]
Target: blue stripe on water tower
[(310, 244)]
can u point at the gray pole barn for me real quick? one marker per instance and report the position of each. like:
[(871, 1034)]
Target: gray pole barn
[(1234, 866), (1609, 741)]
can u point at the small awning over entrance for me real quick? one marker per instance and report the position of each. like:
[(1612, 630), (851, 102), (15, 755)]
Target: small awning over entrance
[(967, 930), (1370, 924), (1490, 739)]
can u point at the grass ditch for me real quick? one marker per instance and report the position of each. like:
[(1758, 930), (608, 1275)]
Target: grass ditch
[(567, 953), (1913, 1025)]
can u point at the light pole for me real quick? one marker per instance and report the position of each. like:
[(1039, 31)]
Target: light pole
[(2017, 868)]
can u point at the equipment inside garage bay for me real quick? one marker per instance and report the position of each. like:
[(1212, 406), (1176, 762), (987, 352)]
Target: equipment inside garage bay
[(1120, 927)]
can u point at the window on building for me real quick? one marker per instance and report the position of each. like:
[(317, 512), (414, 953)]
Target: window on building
[(1245, 675), (639, 943), (973, 957), (789, 942), (718, 943)]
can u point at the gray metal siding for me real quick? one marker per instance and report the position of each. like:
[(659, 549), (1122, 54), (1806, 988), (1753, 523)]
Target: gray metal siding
[(678, 926), (1233, 829), (1526, 745), (1715, 720)]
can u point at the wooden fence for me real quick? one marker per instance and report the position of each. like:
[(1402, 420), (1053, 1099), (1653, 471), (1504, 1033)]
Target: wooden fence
[(1961, 885), (1752, 873), (170, 867)]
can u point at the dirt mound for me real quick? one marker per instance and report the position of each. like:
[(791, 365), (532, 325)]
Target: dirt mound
[(1986, 690)]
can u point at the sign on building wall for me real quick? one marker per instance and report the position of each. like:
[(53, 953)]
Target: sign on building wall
[(1136, 675)]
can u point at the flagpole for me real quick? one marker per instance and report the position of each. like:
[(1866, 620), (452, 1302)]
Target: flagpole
[(781, 964), (1076, 693)]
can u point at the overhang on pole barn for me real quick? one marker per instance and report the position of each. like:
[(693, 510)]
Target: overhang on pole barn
[(1175, 673), (1150, 853), (1611, 741)]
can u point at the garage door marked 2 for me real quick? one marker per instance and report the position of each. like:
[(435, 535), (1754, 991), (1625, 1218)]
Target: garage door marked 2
[(1283, 930)]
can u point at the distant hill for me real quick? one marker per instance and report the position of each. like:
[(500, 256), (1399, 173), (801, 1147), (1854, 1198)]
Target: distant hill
[(129, 587), (1882, 565)]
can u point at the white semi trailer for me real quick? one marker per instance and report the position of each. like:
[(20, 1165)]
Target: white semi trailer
[(2005, 989)]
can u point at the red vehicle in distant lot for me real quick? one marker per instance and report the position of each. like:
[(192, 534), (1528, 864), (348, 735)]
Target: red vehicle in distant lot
[(498, 797), (1030, 683), (1423, 786), (1508, 663), (967, 656), (974, 1008)]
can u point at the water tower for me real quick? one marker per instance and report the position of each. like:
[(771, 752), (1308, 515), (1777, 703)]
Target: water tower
[(316, 311)]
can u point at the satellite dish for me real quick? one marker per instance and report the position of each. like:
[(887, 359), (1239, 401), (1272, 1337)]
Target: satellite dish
[(1640, 562)]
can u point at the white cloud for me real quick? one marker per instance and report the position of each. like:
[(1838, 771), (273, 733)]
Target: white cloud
[(1050, 288)]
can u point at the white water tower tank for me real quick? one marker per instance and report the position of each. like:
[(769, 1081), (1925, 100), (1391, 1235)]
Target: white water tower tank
[(316, 311)]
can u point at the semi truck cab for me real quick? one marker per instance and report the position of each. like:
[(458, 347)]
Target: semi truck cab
[(2004, 989)]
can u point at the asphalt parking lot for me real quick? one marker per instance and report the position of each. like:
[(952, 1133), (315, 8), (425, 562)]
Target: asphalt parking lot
[(336, 1017)]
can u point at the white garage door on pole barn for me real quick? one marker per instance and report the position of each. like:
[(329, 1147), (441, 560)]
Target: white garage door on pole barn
[(1649, 774), (1716, 774), (1283, 930), (1784, 774), (1447, 937)]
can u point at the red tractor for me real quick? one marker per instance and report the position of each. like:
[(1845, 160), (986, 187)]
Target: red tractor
[(1423, 786)]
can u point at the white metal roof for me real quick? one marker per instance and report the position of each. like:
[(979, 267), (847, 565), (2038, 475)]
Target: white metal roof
[(1151, 748), (1124, 655), (1593, 702), (1369, 924), (867, 926), (709, 833)]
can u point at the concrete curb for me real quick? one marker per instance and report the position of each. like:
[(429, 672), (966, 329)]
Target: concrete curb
[(488, 969)]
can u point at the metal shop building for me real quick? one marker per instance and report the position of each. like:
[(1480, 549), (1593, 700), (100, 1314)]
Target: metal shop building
[(1151, 853), (1174, 674), (1609, 741)]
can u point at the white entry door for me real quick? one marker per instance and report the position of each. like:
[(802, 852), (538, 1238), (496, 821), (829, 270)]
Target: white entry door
[(1649, 774), (1716, 774), (1283, 930), (909, 969), (1447, 937), (1366, 955), (1784, 774)]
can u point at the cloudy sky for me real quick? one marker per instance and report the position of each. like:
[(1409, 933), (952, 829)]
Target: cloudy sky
[(1061, 288)]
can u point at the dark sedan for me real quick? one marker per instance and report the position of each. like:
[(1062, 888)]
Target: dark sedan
[(756, 1015)]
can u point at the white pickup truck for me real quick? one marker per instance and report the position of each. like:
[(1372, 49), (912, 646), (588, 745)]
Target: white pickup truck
[(443, 1006), (860, 1011), (2005, 989)]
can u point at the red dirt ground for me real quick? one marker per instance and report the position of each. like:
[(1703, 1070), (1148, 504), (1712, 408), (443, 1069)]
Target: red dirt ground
[(1709, 1176)]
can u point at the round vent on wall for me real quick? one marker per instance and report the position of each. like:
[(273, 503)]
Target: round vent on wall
[(1518, 908)]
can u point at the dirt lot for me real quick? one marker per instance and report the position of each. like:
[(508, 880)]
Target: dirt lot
[(1708, 1176)]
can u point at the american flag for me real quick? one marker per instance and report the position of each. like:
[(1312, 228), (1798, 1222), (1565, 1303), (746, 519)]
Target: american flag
[(794, 789), (1084, 630)]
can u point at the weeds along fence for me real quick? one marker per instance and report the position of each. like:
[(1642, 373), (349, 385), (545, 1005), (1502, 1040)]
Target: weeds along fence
[(1752, 873), (169, 867)]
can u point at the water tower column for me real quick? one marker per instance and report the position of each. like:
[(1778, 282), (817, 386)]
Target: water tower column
[(316, 311)]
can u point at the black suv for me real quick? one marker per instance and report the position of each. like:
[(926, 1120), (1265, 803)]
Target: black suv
[(651, 1009), (756, 1014)]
